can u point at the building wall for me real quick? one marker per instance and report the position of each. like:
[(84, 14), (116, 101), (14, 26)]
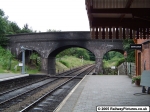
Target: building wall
[(145, 56)]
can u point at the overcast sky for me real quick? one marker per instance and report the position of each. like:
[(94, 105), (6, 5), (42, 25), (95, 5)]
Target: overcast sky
[(41, 15)]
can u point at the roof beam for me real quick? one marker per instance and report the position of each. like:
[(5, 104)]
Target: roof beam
[(129, 2), (142, 17), (126, 22), (139, 11)]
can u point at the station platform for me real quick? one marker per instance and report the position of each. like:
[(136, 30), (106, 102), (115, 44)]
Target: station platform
[(9, 76), (103, 90)]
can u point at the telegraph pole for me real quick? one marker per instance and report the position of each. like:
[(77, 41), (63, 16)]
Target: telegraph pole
[(23, 59)]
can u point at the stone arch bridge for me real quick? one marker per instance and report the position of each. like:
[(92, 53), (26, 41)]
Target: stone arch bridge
[(48, 45)]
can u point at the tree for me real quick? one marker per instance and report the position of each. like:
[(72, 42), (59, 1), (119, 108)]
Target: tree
[(16, 29), (92, 56), (130, 52), (3, 39), (77, 52), (2, 26), (2, 12), (53, 30), (26, 29)]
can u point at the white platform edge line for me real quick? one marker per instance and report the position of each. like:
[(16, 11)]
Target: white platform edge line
[(67, 97), (9, 78)]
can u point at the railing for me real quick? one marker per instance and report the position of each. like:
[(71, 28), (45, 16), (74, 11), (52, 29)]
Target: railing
[(127, 66)]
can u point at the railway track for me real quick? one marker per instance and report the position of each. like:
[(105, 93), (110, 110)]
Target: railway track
[(10, 85), (26, 81), (27, 95), (50, 101)]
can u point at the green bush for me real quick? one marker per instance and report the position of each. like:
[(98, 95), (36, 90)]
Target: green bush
[(65, 63), (78, 52), (5, 58), (120, 61)]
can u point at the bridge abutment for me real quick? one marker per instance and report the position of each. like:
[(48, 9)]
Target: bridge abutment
[(99, 65), (44, 65), (48, 65), (51, 66)]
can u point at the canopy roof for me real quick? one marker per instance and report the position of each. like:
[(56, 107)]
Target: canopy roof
[(119, 18)]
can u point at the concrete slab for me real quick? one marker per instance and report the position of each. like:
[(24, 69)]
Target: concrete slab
[(103, 90), (9, 76)]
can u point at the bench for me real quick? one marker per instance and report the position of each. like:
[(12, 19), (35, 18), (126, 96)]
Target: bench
[(145, 81)]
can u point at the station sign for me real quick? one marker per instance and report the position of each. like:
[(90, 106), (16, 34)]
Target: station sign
[(136, 46), (20, 64)]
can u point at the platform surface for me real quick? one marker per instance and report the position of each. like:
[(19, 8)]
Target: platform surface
[(103, 90), (9, 76)]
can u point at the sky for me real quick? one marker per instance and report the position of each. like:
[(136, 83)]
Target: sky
[(41, 15)]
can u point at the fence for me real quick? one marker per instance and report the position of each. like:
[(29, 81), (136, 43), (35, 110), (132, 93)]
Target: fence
[(127, 67)]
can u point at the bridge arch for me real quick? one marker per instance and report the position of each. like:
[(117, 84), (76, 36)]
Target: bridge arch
[(51, 58), (107, 58), (31, 60)]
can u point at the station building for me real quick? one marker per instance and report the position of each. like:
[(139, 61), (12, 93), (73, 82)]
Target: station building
[(121, 19), (142, 57)]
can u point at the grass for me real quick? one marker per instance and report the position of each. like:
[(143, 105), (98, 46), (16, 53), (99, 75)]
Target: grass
[(8, 63), (71, 61), (60, 67), (63, 64), (2, 70), (32, 71), (112, 62), (68, 62), (16, 69)]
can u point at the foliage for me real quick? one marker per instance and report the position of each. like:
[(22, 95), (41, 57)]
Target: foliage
[(130, 52), (9, 27), (2, 26), (70, 62), (120, 61), (60, 67), (112, 54), (35, 60), (53, 30), (2, 12), (5, 58), (26, 29), (15, 28), (34, 56), (8, 63), (3, 41), (77, 52), (91, 55), (112, 62), (114, 58), (134, 78), (64, 63)]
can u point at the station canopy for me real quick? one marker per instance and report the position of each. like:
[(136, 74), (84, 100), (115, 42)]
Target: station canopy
[(119, 19)]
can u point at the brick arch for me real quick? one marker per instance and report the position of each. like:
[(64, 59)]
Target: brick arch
[(18, 51), (61, 48), (27, 55), (51, 58)]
